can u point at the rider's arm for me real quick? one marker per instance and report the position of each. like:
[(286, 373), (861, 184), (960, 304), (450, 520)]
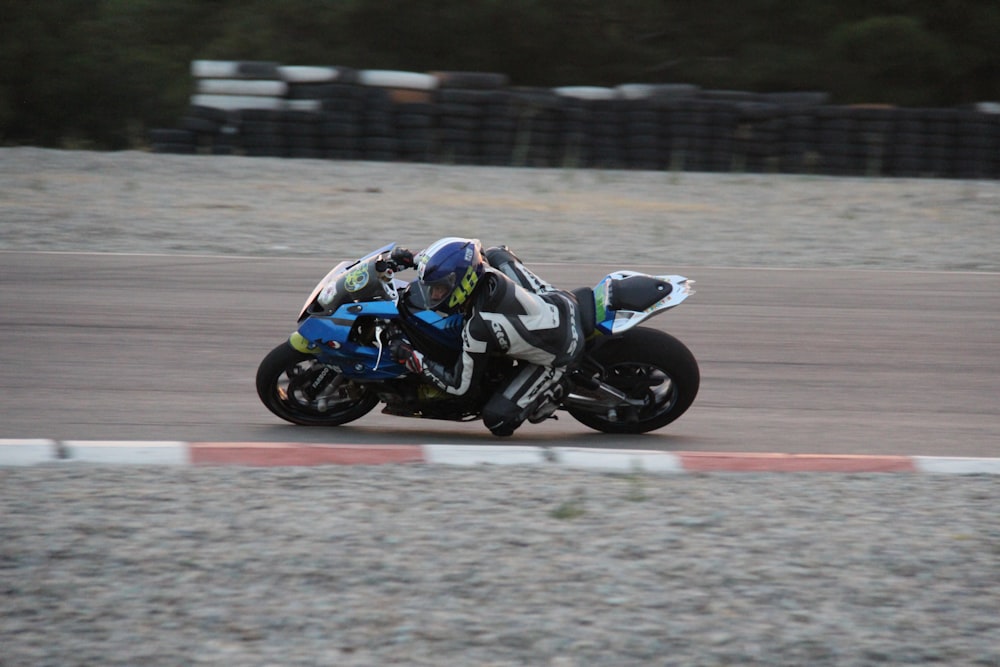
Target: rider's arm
[(505, 261), (466, 372)]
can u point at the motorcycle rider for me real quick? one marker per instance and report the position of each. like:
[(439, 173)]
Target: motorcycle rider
[(507, 309)]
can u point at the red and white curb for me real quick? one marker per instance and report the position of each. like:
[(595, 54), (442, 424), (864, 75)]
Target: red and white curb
[(150, 452)]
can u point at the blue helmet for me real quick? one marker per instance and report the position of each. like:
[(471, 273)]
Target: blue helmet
[(447, 273)]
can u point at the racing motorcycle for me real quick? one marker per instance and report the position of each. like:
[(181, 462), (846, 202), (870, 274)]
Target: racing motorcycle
[(336, 366)]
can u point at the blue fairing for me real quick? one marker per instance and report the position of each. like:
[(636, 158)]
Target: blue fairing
[(329, 338), (445, 329)]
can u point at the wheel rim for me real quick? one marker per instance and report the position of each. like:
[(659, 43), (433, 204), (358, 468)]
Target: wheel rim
[(647, 383), (294, 391)]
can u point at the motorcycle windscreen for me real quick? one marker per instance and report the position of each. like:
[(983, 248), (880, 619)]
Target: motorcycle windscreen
[(358, 282)]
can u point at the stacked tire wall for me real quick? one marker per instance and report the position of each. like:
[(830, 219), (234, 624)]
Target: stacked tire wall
[(477, 118)]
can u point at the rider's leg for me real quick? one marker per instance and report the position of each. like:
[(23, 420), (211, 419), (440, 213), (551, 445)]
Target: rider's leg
[(528, 395)]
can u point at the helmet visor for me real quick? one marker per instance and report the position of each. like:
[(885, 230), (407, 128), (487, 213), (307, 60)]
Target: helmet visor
[(431, 294)]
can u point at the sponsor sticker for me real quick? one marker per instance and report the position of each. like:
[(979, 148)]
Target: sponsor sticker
[(356, 279), (500, 335), (464, 288)]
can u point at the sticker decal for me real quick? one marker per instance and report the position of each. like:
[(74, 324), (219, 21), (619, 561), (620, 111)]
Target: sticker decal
[(464, 289), (501, 336), (356, 279), (327, 295), (601, 301)]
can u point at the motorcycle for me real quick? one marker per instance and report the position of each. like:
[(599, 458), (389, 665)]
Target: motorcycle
[(335, 367)]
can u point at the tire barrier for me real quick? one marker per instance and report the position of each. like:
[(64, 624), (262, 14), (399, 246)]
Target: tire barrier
[(478, 118)]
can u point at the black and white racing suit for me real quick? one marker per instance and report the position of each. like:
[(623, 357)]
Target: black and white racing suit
[(527, 320)]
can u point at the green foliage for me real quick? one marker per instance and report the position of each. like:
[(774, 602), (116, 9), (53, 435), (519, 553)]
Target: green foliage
[(569, 510), (887, 59), (98, 71)]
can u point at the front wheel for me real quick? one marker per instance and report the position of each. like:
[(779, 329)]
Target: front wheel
[(299, 389), (658, 375)]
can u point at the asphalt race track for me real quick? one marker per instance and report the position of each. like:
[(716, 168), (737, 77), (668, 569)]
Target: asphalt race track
[(165, 347)]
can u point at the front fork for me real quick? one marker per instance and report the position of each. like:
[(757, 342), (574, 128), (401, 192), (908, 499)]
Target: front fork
[(327, 380), (319, 379)]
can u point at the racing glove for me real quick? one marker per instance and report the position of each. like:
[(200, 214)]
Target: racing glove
[(402, 258), (403, 353)]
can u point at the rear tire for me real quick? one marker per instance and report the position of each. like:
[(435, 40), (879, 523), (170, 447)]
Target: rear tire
[(650, 365), (284, 384)]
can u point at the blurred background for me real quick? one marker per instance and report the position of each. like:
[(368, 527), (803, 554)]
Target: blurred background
[(101, 73)]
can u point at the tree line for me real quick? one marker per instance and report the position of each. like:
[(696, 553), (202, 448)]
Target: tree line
[(99, 73)]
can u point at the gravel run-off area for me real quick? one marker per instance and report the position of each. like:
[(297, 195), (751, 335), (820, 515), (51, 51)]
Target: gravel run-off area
[(434, 565), (141, 202), (430, 565)]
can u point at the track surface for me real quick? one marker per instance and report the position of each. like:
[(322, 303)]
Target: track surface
[(100, 346)]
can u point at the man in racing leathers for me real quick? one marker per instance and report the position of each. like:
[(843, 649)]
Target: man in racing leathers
[(507, 309)]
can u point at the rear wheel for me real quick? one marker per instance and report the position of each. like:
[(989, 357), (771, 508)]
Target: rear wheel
[(655, 371), (301, 390)]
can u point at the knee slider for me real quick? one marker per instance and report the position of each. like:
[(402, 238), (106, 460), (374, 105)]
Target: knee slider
[(501, 415)]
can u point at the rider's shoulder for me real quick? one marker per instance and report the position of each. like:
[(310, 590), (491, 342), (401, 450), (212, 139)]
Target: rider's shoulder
[(493, 286), (492, 279)]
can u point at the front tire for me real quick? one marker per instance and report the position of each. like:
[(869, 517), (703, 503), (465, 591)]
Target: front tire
[(285, 381), (647, 365)]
